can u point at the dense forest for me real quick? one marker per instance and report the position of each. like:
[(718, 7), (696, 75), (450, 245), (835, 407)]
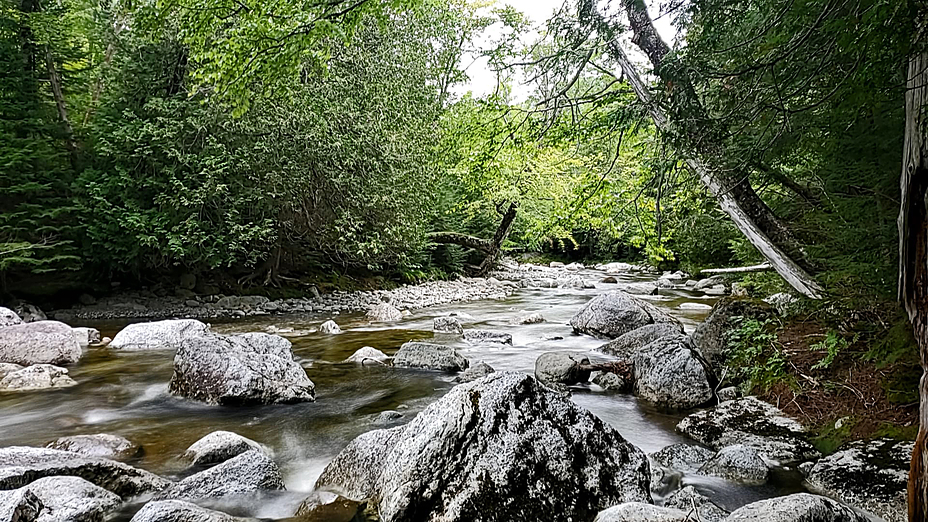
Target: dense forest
[(264, 146)]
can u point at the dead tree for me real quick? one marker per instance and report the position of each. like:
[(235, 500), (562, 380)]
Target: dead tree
[(492, 248)]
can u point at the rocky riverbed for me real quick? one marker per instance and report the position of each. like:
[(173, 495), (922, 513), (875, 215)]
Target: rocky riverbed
[(541, 393)]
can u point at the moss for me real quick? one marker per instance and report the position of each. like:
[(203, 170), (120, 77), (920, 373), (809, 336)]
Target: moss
[(896, 432), (828, 438)]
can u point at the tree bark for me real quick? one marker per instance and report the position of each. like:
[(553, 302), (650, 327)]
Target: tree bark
[(763, 267), (491, 247), (913, 261)]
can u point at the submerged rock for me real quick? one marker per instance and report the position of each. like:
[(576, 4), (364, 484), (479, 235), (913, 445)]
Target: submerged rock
[(98, 445), (384, 312), (499, 449), (528, 318), (562, 368), (41, 342), (158, 335), (711, 336), (220, 446), (251, 368), (368, 355), (476, 371), (670, 373), (739, 463), (330, 327), (870, 475), (642, 512), (447, 325), (61, 499), (615, 313), (180, 511), (249, 472), (798, 507), (36, 377), (485, 336), (430, 357), (626, 345), (687, 497), (752, 422), (682, 457)]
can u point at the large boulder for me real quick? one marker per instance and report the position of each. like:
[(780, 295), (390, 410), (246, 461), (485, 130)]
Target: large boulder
[(20, 465), (870, 475), (499, 449), (670, 373), (752, 422), (562, 368), (251, 368), (41, 342), (220, 446), (36, 377), (798, 507), (368, 355), (8, 317), (180, 511), (687, 498), (158, 335), (383, 312), (430, 356), (98, 445), (642, 512), (738, 463), (61, 499), (615, 313), (711, 336), (627, 344), (247, 473), (682, 457)]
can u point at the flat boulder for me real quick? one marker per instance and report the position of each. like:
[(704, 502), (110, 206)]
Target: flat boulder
[(869, 475), (615, 313), (487, 337), (670, 373), (101, 445), (798, 507), (62, 499), (22, 465), (249, 472), (627, 344), (251, 368), (430, 356), (36, 377), (180, 511), (642, 512), (499, 449), (447, 324), (562, 368), (220, 446), (752, 422), (41, 342), (368, 355), (739, 463), (383, 313), (158, 335), (639, 288), (711, 336)]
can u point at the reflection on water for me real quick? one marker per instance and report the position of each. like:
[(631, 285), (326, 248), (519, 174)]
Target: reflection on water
[(126, 393)]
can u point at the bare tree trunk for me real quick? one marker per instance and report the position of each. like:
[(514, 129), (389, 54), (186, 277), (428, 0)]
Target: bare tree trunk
[(913, 261), (491, 247), (58, 94)]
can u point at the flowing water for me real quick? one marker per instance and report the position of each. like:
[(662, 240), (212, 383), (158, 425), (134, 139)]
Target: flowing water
[(127, 393)]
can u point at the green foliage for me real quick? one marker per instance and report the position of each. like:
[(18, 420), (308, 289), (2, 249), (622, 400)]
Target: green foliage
[(753, 354), (832, 345), (833, 435)]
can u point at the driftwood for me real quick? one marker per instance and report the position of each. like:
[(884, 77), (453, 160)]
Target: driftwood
[(763, 267), (491, 247), (624, 369)]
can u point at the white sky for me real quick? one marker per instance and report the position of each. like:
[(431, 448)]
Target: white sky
[(483, 79)]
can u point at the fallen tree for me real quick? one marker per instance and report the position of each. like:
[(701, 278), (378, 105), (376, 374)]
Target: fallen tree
[(491, 247), (763, 267)]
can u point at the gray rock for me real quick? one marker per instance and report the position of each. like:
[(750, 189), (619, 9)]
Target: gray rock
[(609, 280), (8, 317), (158, 335), (686, 498), (19, 505), (220, 446), (783, 302), (716, 290), (20, 465), (739, 463), (383, 312), (503, 441), (798, 507), (8, 368), (247, 473), (98, 445), (562, 368), (527, 318), (711, 336), (241, 302), (752, 422), (36, 377), (615, 313), (41, 342), (485, 336), (447, 325), (694, 306), (368, 355), (387, 417), (252, 368), (323, 506), (682, 457), (639, 288), (29, 313), (475, 371), (86, 336), (627, 344), (728, 394), (180, 511), (642, 512), (330, 327), (64, 499), (709, 282), (610, 381), (430, 356), (870, 475), (671, 374)]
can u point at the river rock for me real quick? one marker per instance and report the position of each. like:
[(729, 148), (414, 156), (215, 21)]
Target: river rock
[(241, 302), (220, 446), (8, 317), (8, 368), (36, 377), (41, 342), (387, 417), (368, 355), (562, 368), (98, 445), (639, 288), (728, 393), (609, 280), (29, 313), (430, 356), (627, 344), (247, 473), (615, 313), (330, 327), (447, 324), (180, 511), (610, 381), (21, 465), (67, 499), (485, 336), (709, 282), (383, 312), (86, 336), (711, 336), (738, 463), (328, 507), (682, 457), (19, 505), (251, 368), (870, 475), (642, 512), (798, 507), (687, 497), (499, 449), (752, 422), (476, 371), (158, 335), (670, 373), (527, 318)]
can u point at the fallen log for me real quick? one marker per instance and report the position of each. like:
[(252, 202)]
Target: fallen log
[(763, 267)]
